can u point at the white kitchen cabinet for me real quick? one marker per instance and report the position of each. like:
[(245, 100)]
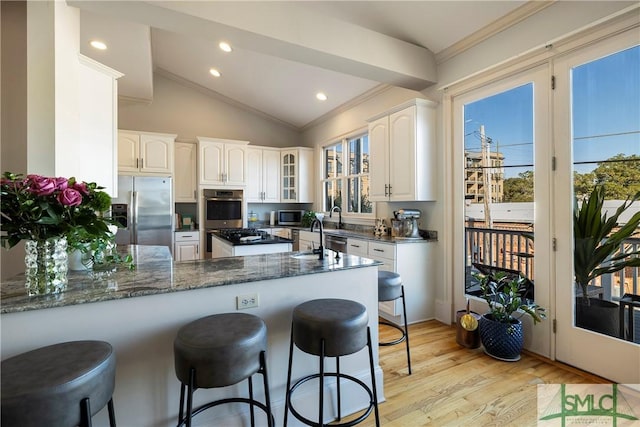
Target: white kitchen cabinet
[(414, 263), (308, 240), (186, 245), (186, 178), (263, 175), (297, 175), (222, 162), (145, 153), (403, 153)]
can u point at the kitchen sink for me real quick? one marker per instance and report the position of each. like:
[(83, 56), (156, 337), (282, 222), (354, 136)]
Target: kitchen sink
[(308, 255)]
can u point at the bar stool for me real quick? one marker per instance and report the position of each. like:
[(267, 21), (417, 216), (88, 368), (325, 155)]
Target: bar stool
[(330, 328), (218, 351), (390, 288), (59, 385)]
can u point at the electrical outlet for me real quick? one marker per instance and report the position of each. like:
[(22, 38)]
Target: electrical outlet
[(247, 301)]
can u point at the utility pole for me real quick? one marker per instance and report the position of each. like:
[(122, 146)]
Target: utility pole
[(486, 177)]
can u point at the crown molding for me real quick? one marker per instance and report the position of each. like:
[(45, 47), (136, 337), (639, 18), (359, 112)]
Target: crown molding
[(212, 93), (133, 100), (512, 18)]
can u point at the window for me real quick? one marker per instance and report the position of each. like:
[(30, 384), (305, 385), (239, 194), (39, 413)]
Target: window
[(354, 178)]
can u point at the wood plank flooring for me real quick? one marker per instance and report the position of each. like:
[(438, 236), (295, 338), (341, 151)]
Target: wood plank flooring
[(455, 386)]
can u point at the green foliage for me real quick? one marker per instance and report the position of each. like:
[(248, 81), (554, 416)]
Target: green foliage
[(519, 189), (595, 241), (503, 298), (308, 218), (620, 173)]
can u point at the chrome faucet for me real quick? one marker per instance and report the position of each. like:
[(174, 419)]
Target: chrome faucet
[(321, 249), (339, 209)]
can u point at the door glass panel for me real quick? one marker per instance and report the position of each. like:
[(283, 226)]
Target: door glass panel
[(605, 124), (499, 183)]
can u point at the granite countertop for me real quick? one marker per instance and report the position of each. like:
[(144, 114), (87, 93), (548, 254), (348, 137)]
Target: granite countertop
[(431, 236), (157, 273)]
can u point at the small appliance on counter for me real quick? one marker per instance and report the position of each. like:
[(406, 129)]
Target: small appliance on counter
[(407, 221)]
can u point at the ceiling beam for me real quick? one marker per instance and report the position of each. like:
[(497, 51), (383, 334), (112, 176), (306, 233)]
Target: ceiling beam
[(286, 31)]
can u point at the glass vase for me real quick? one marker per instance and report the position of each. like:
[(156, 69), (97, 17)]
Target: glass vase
[(46, 265)]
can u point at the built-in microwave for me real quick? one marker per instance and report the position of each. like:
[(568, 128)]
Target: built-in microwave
[(290, 217)]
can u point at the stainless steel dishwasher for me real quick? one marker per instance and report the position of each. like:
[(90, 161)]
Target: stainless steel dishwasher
[(335, 243)]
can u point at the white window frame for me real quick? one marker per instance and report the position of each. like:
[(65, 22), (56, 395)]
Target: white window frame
[(344, 177)]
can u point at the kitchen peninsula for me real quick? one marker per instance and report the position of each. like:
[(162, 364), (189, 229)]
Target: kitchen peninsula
[(140, 311)]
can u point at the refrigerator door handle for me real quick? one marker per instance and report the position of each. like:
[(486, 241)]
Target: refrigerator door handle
[(134, 222)]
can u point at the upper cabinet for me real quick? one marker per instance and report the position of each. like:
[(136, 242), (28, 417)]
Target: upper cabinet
[(185, 177), (403, 153), (145, 153), (263, 175), (297, 175), (222, 162)]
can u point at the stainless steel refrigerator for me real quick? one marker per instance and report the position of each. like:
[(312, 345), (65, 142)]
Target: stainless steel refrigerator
[(143, 209)]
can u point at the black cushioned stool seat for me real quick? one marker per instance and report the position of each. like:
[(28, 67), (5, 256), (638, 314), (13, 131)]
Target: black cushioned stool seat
[(390, 288), (330, 328), (218, 351), (58, 385)]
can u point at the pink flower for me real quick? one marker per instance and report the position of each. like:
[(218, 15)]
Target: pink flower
[(61, 183), (41, 186), (70, 197), (81, 187)]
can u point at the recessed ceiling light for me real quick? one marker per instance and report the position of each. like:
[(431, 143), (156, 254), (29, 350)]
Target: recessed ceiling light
[(225, 46), (98, 44), (321, 96), (214, 72)]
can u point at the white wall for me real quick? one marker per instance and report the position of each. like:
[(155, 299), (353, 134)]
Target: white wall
[(188, 112)]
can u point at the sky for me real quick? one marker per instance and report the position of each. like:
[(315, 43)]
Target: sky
[(606, 100)]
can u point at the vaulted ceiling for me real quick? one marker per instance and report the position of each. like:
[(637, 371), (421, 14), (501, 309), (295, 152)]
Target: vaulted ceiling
[(285, 52)]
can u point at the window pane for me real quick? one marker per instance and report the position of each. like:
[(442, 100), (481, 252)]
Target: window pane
[(606, 150), (365, 203), (499, 172), (355, 157), (333, 161), (354, 195)]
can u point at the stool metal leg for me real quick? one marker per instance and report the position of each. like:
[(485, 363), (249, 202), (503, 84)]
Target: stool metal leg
[(192, 380), (263, 364), (373, 378), (181, 412), (288, 389), (112, 413), (85, 413), (253, 417), (321, 382), (406, 329), (338, 387)]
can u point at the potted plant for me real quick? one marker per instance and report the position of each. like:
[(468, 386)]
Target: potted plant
[(500, 329), (597, 242)]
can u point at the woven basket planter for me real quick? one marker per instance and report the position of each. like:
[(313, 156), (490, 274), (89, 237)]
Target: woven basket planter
[(503, 341)]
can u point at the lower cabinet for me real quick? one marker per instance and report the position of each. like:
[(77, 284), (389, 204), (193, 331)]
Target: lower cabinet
[(308, 240), (186, 245), (413, 261)]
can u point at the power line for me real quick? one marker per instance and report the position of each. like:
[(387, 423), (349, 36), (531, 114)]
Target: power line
[(604, 135)]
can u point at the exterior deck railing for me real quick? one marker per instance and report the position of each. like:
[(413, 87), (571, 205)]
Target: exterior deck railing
[(511, 249)]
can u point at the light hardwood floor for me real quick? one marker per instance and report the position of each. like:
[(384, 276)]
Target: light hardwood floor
[(455, 386)]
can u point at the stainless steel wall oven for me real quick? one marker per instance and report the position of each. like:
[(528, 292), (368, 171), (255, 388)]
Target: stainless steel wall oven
[(222, 209)]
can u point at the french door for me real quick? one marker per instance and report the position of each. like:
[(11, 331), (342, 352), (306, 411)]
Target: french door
[(596, 131), (502, 178)]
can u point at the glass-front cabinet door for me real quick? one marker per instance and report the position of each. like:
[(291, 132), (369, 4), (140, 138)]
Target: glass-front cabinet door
[(289, 172)]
